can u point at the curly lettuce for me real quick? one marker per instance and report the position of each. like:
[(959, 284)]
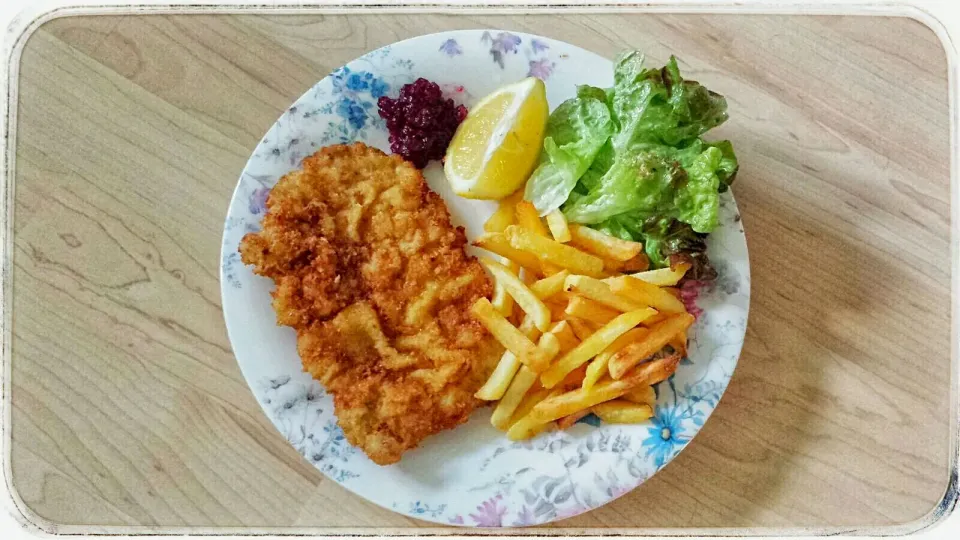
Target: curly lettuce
[(575, 133), (654, 179)]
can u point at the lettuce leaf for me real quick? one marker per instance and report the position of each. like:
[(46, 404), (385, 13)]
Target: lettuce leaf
[(575, 133), (655, 180)]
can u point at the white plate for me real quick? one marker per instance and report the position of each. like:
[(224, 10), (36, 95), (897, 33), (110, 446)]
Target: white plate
[(472, 475)]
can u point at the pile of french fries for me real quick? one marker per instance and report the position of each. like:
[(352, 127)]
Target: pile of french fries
[(585, 324)]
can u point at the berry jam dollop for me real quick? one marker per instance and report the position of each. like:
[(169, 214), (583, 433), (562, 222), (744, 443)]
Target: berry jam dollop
[(420, 121)]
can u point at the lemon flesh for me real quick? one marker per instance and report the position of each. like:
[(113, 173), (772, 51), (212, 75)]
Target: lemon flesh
[(498, 144)]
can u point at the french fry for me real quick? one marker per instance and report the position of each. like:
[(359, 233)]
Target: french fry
[(568, 421), (502, 300), (548, 347), (656, 319), (660, 334), (661, 369), (522, 382), (558, 226), (675, 292), (499, 380), (526, 428), (644, 293), (620, 411), (663, 277), (553, 252), (504, 215), (525, 298), (565, 336), (533, 396), (593, 345), (557, 309), (679, 343), (529, 219), (642, 394), (571, 402), (581, 328), (598, 366), (638, 263), (590, 310), (603, 244), (549, 286), (599, 291), (574, 379), (499, 244), (507, 334)]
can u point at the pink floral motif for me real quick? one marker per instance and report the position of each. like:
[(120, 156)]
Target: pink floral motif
[(541, 69), (689, 291), (457, 520), (490, 513)]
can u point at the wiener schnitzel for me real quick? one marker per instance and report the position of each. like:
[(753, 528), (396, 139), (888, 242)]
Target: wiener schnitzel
[(373, 277)]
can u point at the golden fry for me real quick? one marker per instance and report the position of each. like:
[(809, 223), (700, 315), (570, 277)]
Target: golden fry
[(529, 219), (619, 411), (602, 244), (641, 292), (590, 310), (525, 298), (565, 336), (521, 383), (504, 215), (679, 343), (507, 334), (526, 428), (577, 400), (660, 334), (593, 345), (638, 263), (598, 367), (549, 286), (557, 309), (548, 347), (568, 421), (581, 328), (663, 277), (499, 244), (559, 228), (502, 300), (534, 395), (599, 291), (656, 319), (643, 394), (553, 252), (500, 379)]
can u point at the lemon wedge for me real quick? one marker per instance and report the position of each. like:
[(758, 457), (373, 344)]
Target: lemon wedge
[(498, 144)]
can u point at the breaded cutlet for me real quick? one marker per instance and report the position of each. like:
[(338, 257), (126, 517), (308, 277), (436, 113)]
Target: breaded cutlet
[(374, 278)]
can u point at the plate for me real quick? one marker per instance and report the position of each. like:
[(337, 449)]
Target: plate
[(472, 475)]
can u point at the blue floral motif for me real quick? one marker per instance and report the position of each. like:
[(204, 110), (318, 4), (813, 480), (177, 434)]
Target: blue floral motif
[(666, 436), (353, 111), (450, 47), (538, 46), (504, 43)]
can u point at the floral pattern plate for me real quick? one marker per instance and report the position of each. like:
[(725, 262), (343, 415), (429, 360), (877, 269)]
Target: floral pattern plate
[(472, 475)]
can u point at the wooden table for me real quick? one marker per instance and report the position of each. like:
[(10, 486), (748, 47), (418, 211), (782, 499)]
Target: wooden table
[(129, 410)]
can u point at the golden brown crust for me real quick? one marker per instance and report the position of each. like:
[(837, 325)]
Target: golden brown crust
[(373, 276)]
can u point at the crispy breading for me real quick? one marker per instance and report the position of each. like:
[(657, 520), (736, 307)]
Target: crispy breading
[(373, 277)]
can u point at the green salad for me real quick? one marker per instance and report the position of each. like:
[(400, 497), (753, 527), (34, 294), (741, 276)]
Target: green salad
[(631, 161)]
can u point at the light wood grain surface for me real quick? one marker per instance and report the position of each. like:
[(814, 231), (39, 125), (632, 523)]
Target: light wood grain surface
[(128, 406)]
